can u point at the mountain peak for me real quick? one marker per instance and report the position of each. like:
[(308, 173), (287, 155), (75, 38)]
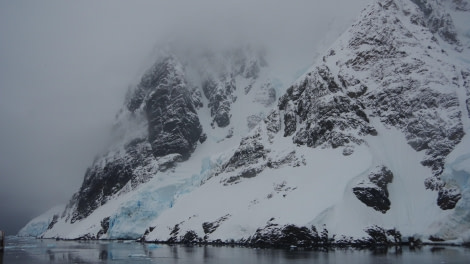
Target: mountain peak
[(374, 133)]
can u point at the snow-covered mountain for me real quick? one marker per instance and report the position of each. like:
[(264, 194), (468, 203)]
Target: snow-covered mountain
[(370, 144)]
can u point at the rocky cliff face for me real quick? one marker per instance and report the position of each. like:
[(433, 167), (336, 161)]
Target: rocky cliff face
[(404, 57), (164, 103), (323, 111), (173, 124), (409, 82)]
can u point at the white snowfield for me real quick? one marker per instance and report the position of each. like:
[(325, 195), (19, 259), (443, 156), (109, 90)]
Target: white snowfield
[(314, 188)]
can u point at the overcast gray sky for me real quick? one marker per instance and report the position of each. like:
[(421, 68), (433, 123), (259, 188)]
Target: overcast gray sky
[(66, 65)]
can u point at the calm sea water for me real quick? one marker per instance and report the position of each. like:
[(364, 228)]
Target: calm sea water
[(24, 250)]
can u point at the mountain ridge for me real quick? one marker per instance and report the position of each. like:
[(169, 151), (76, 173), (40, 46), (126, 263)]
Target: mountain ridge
[(387, 102)]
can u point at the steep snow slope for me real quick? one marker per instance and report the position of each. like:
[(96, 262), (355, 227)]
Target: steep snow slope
[(373, 138)]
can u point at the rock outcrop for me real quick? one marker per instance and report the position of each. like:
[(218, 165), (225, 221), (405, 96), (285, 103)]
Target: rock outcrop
[(373, 191)]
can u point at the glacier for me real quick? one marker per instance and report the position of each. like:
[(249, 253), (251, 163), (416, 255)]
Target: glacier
[(38, 225)]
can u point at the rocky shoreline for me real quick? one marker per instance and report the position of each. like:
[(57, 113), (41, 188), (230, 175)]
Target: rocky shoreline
[(294, 237)]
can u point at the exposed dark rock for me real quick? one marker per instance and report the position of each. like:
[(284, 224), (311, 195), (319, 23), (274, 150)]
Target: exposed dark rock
[(170, 108), (250, 158), (290, 121), (104, 227), (353, 86), (381, 178), (109, 174), (99, 184), (382, 237), (190, 237), (292, 236), (229, 133), (373, 192), (378, 238), (105, 224), (197, 98), (434, 183), (147, 231), (248, 88), (249, 152), (348, 150), (287, 236), (435, 239), (203, 138), (448, 198), (282, 189), (174, 234), (290, 159), (414, 242), (324, 120), (151, 79), (219, 94), (378, 235), (244, 173), (173, 123), (373, 197), (55, 218), (210, 227), (87, 236)]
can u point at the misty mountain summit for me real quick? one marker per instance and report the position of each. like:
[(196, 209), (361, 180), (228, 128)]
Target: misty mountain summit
[(370, 144)]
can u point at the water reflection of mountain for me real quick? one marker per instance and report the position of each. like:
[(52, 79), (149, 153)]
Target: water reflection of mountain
[(21, 250)]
